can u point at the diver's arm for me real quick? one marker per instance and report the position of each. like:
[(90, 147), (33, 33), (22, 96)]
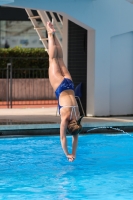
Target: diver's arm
[(74, 145), (63, 139), (63, 127)]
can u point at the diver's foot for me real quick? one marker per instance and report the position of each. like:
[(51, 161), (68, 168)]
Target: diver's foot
[(50, 28)]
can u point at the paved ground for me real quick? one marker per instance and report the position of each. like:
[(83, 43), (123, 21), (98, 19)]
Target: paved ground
[(45, 118), (49, 115)]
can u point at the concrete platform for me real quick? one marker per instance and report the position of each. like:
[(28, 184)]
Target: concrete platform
[(43, 121)]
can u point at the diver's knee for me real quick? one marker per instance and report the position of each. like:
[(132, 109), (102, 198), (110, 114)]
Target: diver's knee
[(52, 59)]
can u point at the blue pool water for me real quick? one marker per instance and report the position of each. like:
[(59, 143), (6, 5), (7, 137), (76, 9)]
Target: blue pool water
[(35, 168)]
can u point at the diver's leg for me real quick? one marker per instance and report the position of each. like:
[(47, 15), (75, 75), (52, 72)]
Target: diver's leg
[(57, 52), (55, 73), (63, 68)]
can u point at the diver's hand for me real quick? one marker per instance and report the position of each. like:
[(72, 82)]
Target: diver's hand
[(71, 157)]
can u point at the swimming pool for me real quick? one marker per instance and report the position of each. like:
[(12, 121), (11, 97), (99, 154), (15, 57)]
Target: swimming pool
[(35, 168)]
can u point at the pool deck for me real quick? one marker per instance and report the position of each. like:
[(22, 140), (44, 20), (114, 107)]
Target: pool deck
[(43, 121)]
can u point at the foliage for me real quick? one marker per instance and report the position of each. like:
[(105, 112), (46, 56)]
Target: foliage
[(24, 59)]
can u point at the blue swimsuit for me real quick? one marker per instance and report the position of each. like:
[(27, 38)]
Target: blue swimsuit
[(66, 84)]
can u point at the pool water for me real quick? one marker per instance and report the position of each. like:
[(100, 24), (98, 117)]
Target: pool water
[(35, 168)]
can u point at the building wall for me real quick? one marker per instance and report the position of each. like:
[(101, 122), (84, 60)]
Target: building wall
[(121, 85), (27, 89), (109, 24)]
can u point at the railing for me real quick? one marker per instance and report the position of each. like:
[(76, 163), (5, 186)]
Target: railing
[(25, 87)]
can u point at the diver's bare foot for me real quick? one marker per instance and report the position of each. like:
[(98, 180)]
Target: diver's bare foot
[(50, 28)]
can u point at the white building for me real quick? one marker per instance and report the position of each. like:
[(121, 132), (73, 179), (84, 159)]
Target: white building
[(109, 65)]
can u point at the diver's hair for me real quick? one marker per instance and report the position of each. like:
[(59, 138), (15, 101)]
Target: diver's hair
[(74, 127)]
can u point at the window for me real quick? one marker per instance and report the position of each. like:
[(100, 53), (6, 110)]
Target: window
[(19, 33)]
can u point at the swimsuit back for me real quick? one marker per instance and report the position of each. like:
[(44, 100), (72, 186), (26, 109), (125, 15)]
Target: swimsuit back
[(72, 111)]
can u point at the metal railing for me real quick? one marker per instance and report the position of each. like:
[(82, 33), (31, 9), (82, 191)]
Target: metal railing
[(25, 87)]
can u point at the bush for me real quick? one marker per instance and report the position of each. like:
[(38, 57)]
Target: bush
[(24, 59)]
